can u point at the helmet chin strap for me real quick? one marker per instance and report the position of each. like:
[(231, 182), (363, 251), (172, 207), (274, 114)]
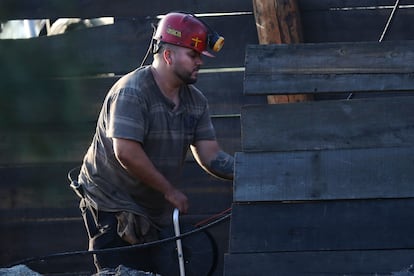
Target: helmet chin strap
[(156, 46), (153, 46)]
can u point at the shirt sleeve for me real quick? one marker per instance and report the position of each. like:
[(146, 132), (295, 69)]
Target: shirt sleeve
[(127, 115), (205, 129)]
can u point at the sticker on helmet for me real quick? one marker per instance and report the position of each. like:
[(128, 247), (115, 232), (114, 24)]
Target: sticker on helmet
[(196, 41), (174, 32)]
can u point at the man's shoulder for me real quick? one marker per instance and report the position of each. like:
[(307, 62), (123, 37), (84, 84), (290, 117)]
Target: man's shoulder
[(137, 82), (136, 78)]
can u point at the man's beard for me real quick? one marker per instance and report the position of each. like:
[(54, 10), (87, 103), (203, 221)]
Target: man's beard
[(186, 77)]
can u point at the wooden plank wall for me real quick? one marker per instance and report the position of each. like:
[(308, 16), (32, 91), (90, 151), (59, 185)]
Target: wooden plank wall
[(342, 204), (325, 187), (329, 68), (51, 89)]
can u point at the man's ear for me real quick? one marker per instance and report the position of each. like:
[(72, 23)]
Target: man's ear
[(167, 56)]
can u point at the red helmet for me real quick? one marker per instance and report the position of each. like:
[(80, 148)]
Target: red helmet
[(186, 30)]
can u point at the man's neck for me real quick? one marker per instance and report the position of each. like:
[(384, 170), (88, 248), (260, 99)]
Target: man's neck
[(166, 85)]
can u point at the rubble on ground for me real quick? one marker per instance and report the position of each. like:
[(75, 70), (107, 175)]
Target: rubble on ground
[(121, 270), (20, 270), (124, 271)]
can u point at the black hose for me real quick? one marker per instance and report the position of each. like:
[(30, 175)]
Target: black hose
[(115, 249)]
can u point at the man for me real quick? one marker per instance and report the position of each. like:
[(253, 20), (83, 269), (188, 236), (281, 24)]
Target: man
[(148, 121)]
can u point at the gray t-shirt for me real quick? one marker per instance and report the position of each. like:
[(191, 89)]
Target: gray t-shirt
[(136, 109)]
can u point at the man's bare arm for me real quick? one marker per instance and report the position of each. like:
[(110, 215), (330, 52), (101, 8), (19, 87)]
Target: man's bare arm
[(212, 159)]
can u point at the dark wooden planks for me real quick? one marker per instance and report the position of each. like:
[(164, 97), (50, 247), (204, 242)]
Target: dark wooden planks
[(26, 239), (44, 143), (354, 20), (63, 114), (323, 21), (224, 91), (203, 189), (355, 25), (380, 122), (370, 262), (25, 9), (40, 216), (329, 67), (78, 100), (40, 187), (323, 175), (36, 236), (106, 49), (329, 4), (322, 226), (52, 102), (116, 48), (45, 186), (341, 154)]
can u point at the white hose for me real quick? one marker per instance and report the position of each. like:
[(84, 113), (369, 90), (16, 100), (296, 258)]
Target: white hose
[(179, 245)]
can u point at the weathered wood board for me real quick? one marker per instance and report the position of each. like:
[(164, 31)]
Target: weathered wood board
[(355, 20), (378, 224), (46, 186), (40, 215), (23, 9), (339, 263), (78, 100), (329, 67), (46, 143), (60, 231), (116, 48), (40, 237), (362, 123), (324, 175), (323, 21)]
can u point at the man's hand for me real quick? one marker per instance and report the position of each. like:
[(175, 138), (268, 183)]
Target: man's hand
[(177, 199)]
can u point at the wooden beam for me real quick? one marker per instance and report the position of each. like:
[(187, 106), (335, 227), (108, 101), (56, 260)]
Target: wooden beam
[(362, 123), (324, 175), (42, 186), (278, 21), (39, 9), (117, 48), (329, 67), (43, 143), (79, 100), (317, 5), (323, 225), (355, 262)]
